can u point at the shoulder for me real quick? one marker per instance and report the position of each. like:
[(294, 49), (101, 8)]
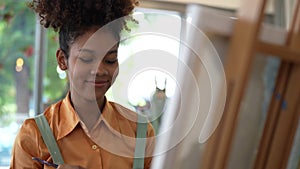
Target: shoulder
[(123, 114), (120, 107), (29, 128), (52, 110), (28, 143), (131, 116), (28, 137), (126, 112)]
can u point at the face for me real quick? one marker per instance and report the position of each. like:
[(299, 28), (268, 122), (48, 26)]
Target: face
[(92, 65)]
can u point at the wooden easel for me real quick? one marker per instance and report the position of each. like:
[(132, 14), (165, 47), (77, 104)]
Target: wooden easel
[(284, 109)]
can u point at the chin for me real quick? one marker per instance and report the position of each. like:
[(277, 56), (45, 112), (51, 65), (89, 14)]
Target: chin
[(91, 95), (99, 96)]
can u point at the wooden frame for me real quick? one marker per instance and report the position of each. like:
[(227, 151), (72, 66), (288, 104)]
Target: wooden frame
[(284, 111), (229, 4), (281, 122), (237, 68)]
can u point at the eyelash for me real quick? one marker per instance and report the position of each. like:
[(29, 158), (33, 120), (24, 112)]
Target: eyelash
[(111, 61), (86, 60), (106, 61)]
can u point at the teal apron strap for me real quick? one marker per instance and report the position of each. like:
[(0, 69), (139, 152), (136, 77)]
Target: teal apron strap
[(49, 139), (140, 145)]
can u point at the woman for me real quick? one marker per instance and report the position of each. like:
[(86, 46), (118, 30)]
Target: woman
[(90, 131)]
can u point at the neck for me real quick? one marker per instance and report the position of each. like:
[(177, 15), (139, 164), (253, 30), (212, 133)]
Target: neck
[(87, 110)]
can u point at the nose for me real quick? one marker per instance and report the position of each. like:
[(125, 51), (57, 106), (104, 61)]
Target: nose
[(99, 69)]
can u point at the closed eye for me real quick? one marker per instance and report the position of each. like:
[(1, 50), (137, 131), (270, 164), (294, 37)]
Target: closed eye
[(111, 57), (86, 60), (111, 61)]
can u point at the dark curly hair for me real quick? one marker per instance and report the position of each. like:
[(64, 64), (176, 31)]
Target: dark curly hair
[(71, 18)]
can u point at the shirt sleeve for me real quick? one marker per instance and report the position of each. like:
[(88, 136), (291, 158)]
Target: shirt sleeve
[(28, 144)]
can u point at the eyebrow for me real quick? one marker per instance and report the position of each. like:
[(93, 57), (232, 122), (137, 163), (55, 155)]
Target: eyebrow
[(94, 52), (87, 50)]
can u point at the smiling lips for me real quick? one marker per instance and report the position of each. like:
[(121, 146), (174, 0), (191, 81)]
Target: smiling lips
[(99, 83)]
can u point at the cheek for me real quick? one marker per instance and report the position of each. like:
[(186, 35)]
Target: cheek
[(115, 72), (78, 71)]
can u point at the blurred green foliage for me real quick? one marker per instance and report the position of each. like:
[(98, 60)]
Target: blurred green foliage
[(17, 40)]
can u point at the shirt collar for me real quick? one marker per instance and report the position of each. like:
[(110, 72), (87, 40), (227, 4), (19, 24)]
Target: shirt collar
[(118, 119), (68, 118), (110, 117), (107, 117)]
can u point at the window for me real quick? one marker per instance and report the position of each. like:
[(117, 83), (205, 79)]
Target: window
[(148, 57), (16, 70), (17, 67)]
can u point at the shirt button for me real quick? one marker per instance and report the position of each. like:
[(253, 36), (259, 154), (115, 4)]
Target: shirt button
[(94, 147)]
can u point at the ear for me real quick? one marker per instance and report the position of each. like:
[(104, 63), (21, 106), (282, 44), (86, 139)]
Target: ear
[(61, 59)]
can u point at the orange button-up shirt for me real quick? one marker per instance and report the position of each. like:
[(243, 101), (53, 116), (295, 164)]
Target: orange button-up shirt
[(109, 145)]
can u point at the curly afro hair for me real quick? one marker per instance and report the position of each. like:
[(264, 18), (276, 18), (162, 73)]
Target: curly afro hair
[(71, 18)]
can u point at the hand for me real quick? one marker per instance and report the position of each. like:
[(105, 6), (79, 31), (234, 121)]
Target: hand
[(67, 166)]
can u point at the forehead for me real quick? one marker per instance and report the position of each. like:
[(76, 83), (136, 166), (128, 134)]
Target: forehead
[(98, 40)]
